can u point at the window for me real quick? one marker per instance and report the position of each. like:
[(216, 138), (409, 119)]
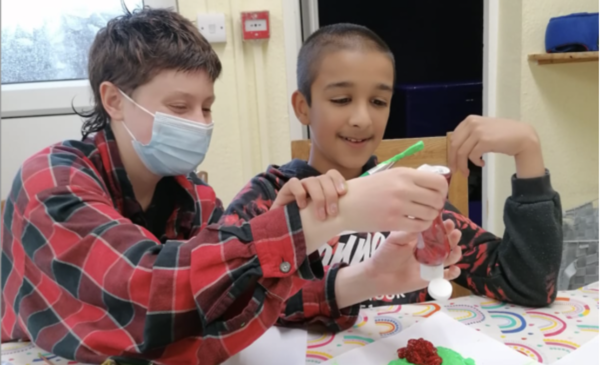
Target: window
[(44, 60), (51, 43), (45, 48)]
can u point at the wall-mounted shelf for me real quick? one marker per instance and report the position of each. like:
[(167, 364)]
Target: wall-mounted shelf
[(571, 57)]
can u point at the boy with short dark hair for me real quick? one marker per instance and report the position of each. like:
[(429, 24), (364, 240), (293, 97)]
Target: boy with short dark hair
[(345, 79), (109, 244)]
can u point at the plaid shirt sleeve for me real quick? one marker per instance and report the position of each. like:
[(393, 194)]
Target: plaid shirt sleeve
[(315, 303), (530, 249), (83, 282)]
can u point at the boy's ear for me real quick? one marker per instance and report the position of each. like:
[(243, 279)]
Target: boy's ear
[(112, 100), (301, 107)]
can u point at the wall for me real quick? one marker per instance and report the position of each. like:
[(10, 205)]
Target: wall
[(235, 152), (561, 101)]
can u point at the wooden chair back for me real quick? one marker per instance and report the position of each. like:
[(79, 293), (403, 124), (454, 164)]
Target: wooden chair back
[(203, 175), (435, 153)]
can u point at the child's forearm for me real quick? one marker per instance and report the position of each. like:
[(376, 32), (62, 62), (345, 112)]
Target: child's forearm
[(316, 231), (530, 162), (353, 285)]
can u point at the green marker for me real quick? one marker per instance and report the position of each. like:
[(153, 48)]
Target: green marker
[(389, 163)]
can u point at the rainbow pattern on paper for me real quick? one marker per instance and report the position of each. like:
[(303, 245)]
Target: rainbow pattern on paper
[(317, 357), (391, 310), (321, 341), (466, 314), (19, 348), (363, 320), (511, 322), (388, 326), (572, 307), (589, 290), (561, 344), (12, 348), (430, 308), (588, 328), (527, 351), (492, 304), (357, 340), (552, 326), (48, 356)]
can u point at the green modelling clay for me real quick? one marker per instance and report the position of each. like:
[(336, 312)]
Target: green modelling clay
[(449, 357)]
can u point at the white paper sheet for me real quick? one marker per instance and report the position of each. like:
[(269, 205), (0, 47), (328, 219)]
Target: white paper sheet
[(587, 354), (441, 330), (277, 346)]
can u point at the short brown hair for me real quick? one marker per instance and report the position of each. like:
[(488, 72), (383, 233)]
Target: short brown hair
[(331, 38), (134, 47)]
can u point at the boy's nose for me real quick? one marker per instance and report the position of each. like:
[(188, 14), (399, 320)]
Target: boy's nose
[(360, 117)]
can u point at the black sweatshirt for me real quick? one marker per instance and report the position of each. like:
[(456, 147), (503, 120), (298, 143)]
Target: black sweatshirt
[(521, 267)]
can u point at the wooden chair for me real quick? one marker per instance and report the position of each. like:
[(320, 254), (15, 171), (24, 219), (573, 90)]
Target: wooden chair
[(203, 175), (434, 153)]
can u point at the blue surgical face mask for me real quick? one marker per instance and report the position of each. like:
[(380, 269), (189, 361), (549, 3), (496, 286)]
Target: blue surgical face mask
[(177, 145)]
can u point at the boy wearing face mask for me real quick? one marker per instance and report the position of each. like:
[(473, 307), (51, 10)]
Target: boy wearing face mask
[(110, 247)]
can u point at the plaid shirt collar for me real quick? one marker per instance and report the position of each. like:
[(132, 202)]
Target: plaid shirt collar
[(109, 163)]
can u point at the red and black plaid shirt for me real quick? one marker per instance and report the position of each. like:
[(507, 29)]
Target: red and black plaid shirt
[(84, 275)]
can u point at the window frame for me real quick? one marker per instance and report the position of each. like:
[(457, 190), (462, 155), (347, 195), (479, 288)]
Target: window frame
[(55, 97)]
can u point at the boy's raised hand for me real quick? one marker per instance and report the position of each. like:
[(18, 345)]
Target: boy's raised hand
[(477, 135), (324, 191), (400, 199), (395, 269)]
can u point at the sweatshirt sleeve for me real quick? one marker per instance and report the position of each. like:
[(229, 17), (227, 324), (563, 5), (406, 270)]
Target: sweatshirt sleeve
[(522, 266), (256, 198), (315, 302)]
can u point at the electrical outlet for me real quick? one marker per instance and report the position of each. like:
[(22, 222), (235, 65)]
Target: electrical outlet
[(212, 27)]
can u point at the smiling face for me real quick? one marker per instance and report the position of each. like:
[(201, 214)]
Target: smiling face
[(350, 106)]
